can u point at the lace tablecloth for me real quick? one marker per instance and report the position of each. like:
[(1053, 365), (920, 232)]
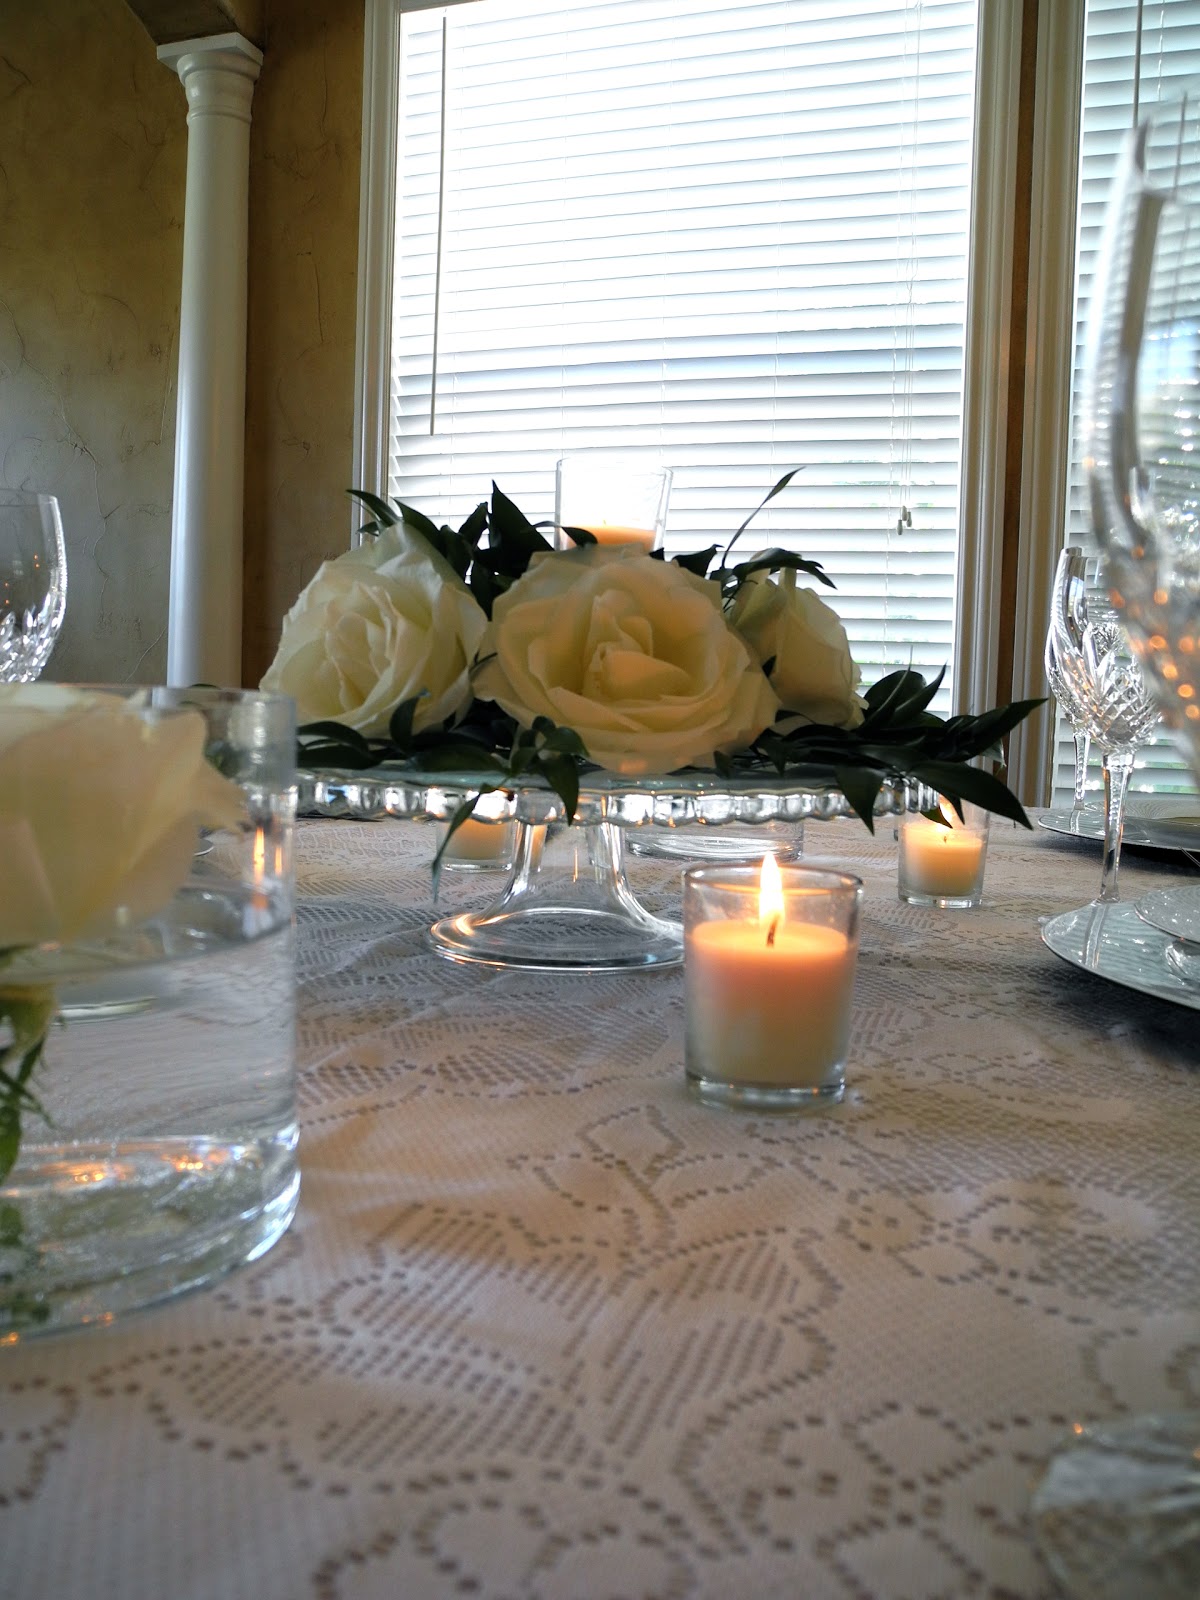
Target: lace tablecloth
[(546, 1327)]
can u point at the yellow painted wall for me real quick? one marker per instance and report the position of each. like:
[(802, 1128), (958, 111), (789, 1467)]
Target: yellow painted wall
[(93, 151), (92, 157)]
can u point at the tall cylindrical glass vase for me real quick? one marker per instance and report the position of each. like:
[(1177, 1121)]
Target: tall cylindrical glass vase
[(147, 1103)]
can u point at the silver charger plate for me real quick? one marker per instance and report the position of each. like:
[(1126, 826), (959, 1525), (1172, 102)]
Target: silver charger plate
[(1174, 911), (1113, 942), (1152, 822)]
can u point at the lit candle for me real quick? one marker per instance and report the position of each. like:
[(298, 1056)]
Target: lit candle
[(481, 842), (769, 995), (942, 860)]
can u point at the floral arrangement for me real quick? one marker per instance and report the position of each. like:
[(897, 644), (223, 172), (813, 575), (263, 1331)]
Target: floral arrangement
[(68, 756), (507, 658)]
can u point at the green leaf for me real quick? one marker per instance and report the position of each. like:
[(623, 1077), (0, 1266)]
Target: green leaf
[(913, 696), (30, 1014), (986, 730), (456, 821), (766, 500), (455, 549), (698, 561), (484, 587), (384, 514), (562, 774), (473, 528), (565, 741), (462, 756), (513, 539), (400, 724), (890, 692), (10, 1136), (423, 524), (334, 730), (861, 788), (778, 560), (959, 782), (323, 757), (581, 536)]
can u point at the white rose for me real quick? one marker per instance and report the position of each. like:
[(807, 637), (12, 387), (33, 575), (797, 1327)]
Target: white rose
[(814, 674), (101, 803), (375, 627), (633, 653)]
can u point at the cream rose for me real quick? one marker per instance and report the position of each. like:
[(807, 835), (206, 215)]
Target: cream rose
[(101, 803), (634, 654), (375, 627), (814, 674)]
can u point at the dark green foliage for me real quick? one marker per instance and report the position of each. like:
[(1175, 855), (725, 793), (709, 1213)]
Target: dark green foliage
[(898, 739)]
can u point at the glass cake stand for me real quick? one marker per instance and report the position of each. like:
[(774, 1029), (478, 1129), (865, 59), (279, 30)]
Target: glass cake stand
[(567, 905)]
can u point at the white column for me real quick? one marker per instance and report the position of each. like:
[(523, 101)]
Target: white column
[(204, 625)]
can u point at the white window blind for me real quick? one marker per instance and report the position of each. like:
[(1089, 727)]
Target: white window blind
[(1154, 44), (732, 236)]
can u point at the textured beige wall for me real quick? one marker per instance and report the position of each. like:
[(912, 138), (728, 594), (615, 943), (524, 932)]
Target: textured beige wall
[(93, 154), (304, 176), (92, 157)]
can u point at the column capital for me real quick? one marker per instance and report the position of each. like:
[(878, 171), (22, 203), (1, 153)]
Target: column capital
[(218, 72)]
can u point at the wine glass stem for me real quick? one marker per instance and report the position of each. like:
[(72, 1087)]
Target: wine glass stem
[(1117, 766), (1083, 742)]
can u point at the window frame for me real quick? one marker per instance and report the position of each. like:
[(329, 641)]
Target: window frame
[(986, 419)]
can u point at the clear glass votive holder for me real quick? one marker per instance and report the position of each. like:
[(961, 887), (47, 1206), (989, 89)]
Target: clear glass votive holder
[(942, 863), (618, 498), (486, 841), (160, 1147), (769, 959)]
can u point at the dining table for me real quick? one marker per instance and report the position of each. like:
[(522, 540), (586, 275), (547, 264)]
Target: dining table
[(547, 1327)]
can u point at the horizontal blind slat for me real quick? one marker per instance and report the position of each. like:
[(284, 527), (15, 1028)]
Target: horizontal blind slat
[(731, 236)]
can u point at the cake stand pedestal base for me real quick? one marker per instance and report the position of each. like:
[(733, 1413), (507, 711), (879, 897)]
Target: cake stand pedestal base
[(567, 907)]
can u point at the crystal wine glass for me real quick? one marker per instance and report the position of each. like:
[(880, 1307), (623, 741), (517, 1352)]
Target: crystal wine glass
[(1104, 691), (1061, 693), (1118, 1511), (33, 583)]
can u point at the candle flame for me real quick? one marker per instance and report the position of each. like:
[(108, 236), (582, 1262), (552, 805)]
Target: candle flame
[(770, 896)]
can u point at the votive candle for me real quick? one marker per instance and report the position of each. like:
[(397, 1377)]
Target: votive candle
[(941, 863), (769, 965)]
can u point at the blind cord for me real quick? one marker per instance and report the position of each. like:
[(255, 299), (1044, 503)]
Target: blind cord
[(441, 218)]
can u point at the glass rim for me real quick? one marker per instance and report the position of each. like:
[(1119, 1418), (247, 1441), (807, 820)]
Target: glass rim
[(745, 877)]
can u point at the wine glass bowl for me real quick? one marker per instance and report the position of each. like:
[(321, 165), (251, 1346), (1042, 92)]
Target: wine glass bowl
[(33, 583), (1113, 694)]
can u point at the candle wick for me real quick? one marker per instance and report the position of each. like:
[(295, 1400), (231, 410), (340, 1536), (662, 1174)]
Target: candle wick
[(771, 931)]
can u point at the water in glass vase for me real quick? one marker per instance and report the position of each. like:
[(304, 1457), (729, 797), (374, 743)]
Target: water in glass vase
[(167, 1152)]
